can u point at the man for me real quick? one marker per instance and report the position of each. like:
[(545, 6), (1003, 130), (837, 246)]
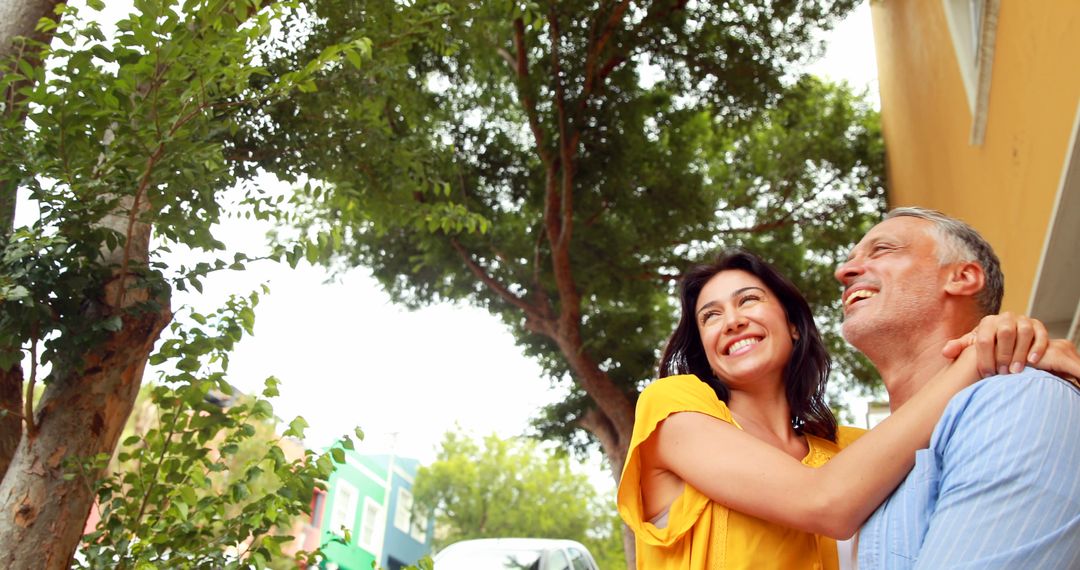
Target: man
[(999, 485)]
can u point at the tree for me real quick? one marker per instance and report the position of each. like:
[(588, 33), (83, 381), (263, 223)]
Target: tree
[(17, 20), (560, 163), (512, 487), (114, 140), (201, 483)]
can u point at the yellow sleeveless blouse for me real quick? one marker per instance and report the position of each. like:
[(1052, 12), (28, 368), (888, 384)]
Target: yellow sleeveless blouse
[(701, 534)]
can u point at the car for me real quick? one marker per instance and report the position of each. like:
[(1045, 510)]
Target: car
[(515, 554)]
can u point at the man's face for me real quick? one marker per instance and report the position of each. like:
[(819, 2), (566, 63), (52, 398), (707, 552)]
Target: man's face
[(893, 283)]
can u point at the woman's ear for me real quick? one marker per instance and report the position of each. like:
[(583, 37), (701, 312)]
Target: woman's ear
[(965, 279), (794, 332)]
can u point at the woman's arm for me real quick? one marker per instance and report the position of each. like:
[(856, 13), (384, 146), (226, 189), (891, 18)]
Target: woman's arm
[(758, 479), (1025, 339), (835, 499)]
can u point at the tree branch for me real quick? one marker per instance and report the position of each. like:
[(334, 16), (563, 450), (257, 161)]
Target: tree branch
[(597, 423), (522, 68), (537, 284), (509, 59), (28, 402), (597, 47), (495, 286), (568, 140), (594, 76), (788, 216)]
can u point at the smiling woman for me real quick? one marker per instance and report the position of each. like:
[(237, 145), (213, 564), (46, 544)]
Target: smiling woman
[(738, 422), (746, 326)]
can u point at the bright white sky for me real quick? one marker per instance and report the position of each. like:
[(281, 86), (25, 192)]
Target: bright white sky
[(349, 357)]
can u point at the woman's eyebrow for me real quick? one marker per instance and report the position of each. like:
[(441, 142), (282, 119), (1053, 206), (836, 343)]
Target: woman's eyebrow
[(745, 289), (734, 294)]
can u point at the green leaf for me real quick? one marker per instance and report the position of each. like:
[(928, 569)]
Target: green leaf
[(113, 323), (353, 57), (297, 427), (271, 387), (45, 25)]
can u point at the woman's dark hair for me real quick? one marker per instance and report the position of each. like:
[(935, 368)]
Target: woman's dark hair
[(808, 369)]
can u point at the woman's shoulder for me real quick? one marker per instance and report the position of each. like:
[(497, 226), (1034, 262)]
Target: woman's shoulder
[(679, 385), (682, 392), (676, 382), (846, 435)]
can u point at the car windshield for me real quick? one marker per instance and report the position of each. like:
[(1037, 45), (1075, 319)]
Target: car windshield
[(502, 559)]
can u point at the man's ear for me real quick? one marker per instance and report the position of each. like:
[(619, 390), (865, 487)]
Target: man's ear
[(965, 279)]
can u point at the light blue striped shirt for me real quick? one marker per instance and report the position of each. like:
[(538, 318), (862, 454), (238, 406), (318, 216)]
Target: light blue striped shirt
[(999, 486)]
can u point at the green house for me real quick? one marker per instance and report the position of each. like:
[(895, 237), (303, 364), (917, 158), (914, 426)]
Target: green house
[(370, 497)]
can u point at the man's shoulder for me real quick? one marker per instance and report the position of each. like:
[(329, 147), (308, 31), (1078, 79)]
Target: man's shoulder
[(1028, 385), (1007, 403)]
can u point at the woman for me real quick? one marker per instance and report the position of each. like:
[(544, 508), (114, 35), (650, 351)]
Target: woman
[(724, 487)]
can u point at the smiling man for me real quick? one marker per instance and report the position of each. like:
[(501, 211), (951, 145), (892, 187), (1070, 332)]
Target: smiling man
[(998, 487)]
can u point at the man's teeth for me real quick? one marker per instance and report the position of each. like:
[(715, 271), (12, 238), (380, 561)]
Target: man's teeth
[(860, 294), (742, 343)]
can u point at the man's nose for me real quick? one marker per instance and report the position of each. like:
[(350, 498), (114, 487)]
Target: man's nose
[(847, 271)]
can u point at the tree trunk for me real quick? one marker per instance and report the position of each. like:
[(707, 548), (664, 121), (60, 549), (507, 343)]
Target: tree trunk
[(10, 414), (79, 417), (48, 489), (18, 18), (597, 423)]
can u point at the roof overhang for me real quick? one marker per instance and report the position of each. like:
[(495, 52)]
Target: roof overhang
[(1055, 296)]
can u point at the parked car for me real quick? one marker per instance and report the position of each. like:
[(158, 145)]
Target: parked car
[(515, 554)]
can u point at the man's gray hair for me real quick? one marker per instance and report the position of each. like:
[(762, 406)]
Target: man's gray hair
[(958, 242)]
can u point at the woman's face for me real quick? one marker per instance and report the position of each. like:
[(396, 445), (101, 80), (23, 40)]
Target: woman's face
[(744, 329)]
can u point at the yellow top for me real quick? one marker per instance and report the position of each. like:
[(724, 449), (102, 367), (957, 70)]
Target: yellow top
[(701, 534)]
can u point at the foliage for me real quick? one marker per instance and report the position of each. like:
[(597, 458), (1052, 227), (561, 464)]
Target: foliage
[(561, 163), (126, 127), (112, 136), (199, 488), (512, 487)]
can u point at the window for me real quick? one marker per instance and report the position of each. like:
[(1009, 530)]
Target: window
[(556, 560), (318, 503), (579, 560), (403, 511), (419, 527), (406, 520), (344, 512), (371, 526), (973, 26)]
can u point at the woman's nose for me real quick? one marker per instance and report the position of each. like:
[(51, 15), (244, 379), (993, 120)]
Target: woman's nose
[(735, 321)]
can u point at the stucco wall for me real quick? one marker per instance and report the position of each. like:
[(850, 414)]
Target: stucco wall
[(1005, 187)]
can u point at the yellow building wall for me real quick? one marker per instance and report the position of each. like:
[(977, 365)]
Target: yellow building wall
[(1006, 187)]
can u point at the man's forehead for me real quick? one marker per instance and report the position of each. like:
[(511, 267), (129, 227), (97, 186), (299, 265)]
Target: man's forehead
[(903, 229)]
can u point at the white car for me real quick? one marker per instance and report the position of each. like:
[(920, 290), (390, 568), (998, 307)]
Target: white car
[(515, 554)]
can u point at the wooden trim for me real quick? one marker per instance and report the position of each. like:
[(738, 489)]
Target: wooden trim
[(1054, 293), (984, 71)]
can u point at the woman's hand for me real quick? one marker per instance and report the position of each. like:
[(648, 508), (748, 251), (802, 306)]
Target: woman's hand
[(1005, 342), (1062, 360)]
